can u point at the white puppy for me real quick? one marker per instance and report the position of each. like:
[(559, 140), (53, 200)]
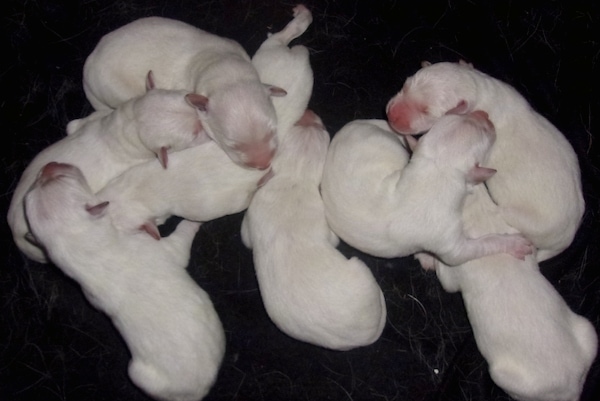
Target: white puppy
[(140, 129), (536, 347), (287, 68), (378, 203), (237, 111), (201, 184), (168, 322), (309, 289), (538, 185)]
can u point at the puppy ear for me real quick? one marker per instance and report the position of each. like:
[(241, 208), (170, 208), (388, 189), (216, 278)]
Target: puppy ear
[(97, 210), (275, 91), (265, 178), (425, 63), (465, 63), (413, 143), (29, 237), (198, 101), (478, 174), (151, 229), (163, 156), (150, 81), (461, 108)]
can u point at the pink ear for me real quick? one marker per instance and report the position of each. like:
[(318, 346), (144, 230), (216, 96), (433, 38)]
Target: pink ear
[(479, 174), (461, 108), (412, 142), (465, 63), (31, 239), (276, 91), (163, 156), (265, 178), (150, 81), (96, 210), (151, 229), (198, 101)]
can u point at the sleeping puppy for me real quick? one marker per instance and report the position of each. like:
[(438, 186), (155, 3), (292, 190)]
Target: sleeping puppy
[(538, 184), (536, 347), (236, 108), (169, 324), (140, 130), (309, 289), (201, 184), (383, 204), (287, 68)]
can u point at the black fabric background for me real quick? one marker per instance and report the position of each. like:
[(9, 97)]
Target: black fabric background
[(55, 346)]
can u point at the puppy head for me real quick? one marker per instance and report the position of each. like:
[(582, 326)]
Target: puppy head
[(460, 141), (242, 120), (429, 94), (168, 120), (303, 150), (61, 201)]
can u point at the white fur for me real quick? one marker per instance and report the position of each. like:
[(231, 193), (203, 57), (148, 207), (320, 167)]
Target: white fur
[(169, 324), (201, 184), (538, 184), (287, 68), (238, 115), (106, 145), (536, 347), (385, 205), (309, 289)]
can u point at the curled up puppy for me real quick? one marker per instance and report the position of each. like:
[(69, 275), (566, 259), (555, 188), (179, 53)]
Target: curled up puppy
[(142, 129), (385, 204), (201, 184), (537, 349), (310, 290), (168, 323), (236, 108), (538, 184)]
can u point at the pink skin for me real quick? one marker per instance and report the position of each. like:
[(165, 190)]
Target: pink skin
[(258, 155), (310, 119), (401, 114)]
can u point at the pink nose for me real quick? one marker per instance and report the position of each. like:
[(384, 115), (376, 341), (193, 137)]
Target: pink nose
[(54, 169), (399, 117), (260, 160)]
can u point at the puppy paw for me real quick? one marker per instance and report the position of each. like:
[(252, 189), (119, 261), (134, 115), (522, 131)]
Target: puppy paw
[(519, 246)]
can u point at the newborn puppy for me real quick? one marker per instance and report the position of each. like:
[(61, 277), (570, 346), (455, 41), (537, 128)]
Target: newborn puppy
[(379, 204), (309, 289), (236, 109), (287, 68), (536, 347), (169, 324), (538, 184), (139, 130), (201, 184)]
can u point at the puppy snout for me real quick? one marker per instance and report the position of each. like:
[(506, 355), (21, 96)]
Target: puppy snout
[(260, 160), (400, 116), (53, 170)]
